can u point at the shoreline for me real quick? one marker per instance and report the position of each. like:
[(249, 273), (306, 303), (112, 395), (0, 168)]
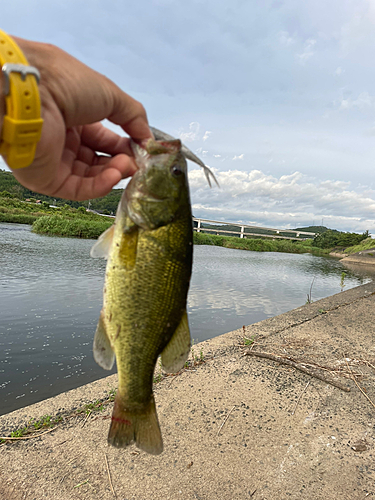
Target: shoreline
[(235, 424), (69, 401)]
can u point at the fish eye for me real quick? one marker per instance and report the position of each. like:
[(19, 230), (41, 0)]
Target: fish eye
[(176, 171)]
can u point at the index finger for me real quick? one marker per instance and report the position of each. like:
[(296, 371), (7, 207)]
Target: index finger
[(130, 115)]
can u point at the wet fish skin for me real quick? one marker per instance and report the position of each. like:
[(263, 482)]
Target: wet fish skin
[(149, 250)]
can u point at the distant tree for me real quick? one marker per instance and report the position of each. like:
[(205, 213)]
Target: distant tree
[(333, 238), (6, 194)]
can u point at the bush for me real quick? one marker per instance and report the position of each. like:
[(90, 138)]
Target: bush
[(6, 194), (56, 225), (333, 238), (257, 244)]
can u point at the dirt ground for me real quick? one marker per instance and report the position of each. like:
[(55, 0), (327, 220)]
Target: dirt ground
[(235, 427)]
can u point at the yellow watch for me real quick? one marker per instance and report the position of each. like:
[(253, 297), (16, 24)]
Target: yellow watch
[(22, 125)]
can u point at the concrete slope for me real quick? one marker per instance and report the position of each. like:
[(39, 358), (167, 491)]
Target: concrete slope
[(234, 427)]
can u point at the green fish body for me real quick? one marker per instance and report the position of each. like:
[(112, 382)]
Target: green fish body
[(149, 251)]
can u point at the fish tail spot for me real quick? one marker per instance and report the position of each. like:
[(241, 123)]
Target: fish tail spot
[(121, 420)]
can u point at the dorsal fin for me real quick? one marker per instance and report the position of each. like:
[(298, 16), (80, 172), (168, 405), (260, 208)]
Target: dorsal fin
[(162, 136)]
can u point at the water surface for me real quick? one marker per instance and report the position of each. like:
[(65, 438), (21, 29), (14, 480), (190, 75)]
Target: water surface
[(51, 296)]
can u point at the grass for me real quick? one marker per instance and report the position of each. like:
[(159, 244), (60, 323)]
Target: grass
[(60, 221), (70, 222), (366, 244), (249, 341), (48, 421), (58, 225), (45, 422), (258, 244), (97, 406)]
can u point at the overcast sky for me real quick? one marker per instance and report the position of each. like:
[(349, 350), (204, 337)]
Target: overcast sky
[(277, 97)]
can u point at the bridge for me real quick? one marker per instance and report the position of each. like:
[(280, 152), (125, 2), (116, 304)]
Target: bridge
[(245, 230)]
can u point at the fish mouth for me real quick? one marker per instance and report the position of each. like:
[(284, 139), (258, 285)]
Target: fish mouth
[(147, 196)]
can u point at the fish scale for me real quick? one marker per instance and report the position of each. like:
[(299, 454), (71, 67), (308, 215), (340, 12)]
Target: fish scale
[(149, 251)]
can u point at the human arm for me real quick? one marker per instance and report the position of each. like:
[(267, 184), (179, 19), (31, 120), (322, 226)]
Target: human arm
[(74, 100)]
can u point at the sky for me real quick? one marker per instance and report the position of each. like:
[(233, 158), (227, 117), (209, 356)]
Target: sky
[(277, 97)]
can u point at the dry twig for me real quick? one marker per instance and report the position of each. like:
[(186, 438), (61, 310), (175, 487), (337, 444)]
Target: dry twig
[(26, 437), (109, 476), (226, 418), (87, 416), (298, 366), (300, 396), (356, 383)]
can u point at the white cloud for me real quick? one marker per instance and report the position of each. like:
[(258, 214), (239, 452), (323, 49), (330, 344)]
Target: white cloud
[(192, 135), (363, 101), (239, 157), (285, 39), (287, 201), (308, 51), (207, 135)]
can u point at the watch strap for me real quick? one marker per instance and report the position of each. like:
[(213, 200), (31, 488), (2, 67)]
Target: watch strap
[(22, 125)]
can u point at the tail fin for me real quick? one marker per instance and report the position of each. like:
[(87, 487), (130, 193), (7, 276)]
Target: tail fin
[(129, 426)]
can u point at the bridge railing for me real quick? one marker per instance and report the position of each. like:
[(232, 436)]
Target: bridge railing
[(276, 233)]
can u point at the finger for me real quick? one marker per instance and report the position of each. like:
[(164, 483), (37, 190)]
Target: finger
[(122, 163), (99, 138), (129, 114), (86, 182), (80, 188)]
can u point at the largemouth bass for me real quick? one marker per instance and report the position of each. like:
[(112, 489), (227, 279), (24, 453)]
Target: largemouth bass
[(149, 250)]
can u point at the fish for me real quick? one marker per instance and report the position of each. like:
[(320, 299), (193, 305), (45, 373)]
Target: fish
[(149, 251)]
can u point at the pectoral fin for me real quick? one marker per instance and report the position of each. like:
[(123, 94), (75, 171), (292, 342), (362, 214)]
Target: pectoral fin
[(177, 351), (103, 352), (102, 246)]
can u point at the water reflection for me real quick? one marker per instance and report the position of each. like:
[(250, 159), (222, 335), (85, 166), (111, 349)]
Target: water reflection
[(51, 295), (231, 288)]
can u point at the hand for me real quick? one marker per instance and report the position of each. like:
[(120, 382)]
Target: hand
[(74, 100)]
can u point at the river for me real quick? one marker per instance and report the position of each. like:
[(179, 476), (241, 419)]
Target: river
[(51, 296)]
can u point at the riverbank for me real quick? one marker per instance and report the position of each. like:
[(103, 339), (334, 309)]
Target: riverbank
[(236, 426), (364, 253), (259, 244), (78, 223)]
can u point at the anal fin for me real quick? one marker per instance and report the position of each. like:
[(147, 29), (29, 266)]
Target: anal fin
[(177, 350), (103, 352)]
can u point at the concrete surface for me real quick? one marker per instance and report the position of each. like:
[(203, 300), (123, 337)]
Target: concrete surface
[(237, 427)]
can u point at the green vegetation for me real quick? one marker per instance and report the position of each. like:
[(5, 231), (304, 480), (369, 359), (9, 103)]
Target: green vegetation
[(195, 359), (11, 188), (70, 218), (21, 212), (60, 221), (258, 244), (249, 341), (332, 238), (366, 244), (48, 421), (59, 225)]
